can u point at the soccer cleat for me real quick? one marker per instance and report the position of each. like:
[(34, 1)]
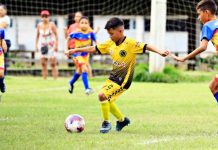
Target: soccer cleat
[(71, 89), (106, 127), (89, 91), (3, 88), (121, 125)]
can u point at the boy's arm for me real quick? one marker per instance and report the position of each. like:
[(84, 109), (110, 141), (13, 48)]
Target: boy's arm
[(156, 50), (66, 32), (97, 30), (88, 49), (67, 43), (200, 49)]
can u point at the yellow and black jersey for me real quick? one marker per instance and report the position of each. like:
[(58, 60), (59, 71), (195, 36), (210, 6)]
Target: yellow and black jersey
[(124, 58)]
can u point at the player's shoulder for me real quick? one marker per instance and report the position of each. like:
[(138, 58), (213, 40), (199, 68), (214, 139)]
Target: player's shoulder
[(130, 41), (211, 24), (90, 30), (6, 17), (52, 24), (74, 33), (39, 25), (109, 42)]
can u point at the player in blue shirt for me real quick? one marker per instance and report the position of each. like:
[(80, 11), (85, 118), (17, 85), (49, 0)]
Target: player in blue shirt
[(3, 49), (206, 10)]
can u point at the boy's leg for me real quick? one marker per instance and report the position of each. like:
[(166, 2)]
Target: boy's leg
[(2, 72), (116, 112), (214, 87), (105, 109), (110, 92), (84, 68), (2, 84), (75, 76), (122, 120)]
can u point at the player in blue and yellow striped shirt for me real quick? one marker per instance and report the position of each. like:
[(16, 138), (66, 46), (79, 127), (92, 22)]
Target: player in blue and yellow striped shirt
[(83, 37)]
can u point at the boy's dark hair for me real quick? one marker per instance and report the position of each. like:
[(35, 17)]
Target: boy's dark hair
[(207, 5), (84, 17), (114, 23)]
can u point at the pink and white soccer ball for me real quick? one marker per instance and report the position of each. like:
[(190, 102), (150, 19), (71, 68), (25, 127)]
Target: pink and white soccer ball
[(74, 123)]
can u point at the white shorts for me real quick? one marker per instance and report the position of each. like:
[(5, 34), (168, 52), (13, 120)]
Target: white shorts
[(51, 54)]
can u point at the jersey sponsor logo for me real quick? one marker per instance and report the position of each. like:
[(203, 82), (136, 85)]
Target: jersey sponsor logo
[(123, 53), (118, 64)]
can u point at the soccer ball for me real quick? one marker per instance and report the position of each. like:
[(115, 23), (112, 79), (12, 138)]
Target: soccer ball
[(74, 123)]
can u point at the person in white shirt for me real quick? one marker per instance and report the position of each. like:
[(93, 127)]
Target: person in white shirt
[(5, 24), (47, 40)]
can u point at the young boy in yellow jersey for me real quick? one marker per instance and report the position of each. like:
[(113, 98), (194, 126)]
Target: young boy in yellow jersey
[(206, 10), (3, 49), (123, 52)]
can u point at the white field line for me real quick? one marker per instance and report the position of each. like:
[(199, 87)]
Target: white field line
[(173, 138), (97, 88), (40, 90), (4, 119)]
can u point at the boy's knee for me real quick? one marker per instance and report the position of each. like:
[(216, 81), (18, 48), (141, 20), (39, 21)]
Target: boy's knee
[(213, 86), (84, 68), (44, 64), (101, 97), (53, 65), (210, 86), (1, 75)]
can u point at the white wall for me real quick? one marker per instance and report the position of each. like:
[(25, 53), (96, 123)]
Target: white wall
[(23, 32), (25, 25), (174, 41)]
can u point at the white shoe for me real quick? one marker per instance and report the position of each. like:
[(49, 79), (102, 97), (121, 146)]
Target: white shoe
[(89, 91)]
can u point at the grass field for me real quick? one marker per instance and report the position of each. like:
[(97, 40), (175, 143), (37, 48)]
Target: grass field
[(164, 116)]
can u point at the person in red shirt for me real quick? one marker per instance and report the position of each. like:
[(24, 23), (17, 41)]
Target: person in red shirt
[(78, 15)]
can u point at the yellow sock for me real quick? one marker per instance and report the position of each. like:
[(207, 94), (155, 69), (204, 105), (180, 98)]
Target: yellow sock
[(116, 112), (105, 109)]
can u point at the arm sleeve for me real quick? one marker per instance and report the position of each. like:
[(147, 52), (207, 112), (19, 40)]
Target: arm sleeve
[(103, 48), (206, 33), (93, 36), (7, 20), (138, 47), (72, 35)]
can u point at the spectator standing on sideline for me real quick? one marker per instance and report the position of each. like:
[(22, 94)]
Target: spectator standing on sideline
[(48, 37)]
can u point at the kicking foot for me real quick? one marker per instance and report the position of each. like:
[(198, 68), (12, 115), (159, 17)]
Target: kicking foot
[(121, 125)]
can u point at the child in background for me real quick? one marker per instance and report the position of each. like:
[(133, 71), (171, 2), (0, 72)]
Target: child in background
[(83, 36)]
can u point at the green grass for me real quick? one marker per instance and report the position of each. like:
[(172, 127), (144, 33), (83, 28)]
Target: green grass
[(164, 116)]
